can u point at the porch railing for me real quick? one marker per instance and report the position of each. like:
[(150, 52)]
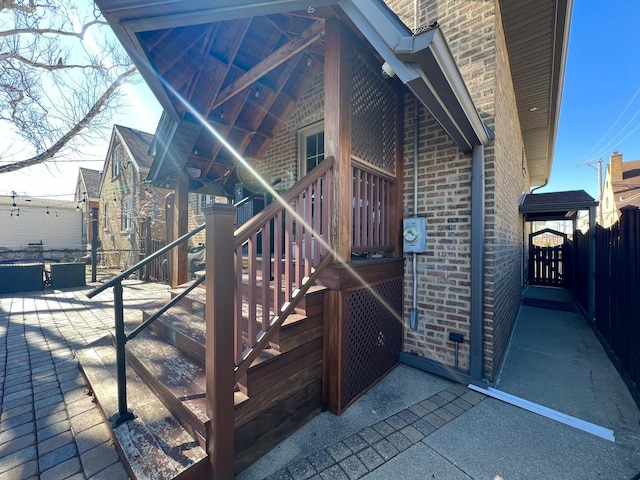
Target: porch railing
[(277, 249), (371, 199)]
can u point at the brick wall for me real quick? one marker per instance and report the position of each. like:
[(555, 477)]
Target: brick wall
[(504, 253), (281, 159), (112, 239), (444, 197), (473, 30)]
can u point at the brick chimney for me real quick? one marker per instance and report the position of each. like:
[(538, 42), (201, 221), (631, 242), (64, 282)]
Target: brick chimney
[(615, 166)]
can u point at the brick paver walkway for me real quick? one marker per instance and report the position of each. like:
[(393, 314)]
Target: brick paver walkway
[(355, 456), (50, 427)]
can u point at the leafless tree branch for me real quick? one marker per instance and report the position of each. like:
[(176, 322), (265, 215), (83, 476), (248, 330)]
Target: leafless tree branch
[(75, 130)]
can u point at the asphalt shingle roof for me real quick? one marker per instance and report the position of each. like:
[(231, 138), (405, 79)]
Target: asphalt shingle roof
[(91, 180), (553, 201), (138, 143)]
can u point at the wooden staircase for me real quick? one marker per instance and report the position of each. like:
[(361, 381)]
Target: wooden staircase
[(166, 380)]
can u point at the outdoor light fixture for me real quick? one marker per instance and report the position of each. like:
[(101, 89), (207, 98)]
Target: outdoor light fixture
[(387, 71)]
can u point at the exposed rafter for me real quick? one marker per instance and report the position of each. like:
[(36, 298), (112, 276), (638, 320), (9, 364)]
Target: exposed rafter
[(273, 61)]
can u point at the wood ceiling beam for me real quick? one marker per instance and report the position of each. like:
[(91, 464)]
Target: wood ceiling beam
[(295, 46)]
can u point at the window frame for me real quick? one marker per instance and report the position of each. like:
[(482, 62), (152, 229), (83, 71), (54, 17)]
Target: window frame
[(303, 134), (126, 217), (116, 161)]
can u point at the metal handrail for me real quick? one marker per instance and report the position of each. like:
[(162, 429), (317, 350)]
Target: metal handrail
[(124, 414), (145, 261), (170, 304)]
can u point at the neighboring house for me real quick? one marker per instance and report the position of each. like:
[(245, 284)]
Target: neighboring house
[(87, 196), (621, 188), (446, 114), (127, 200), (39, 228)]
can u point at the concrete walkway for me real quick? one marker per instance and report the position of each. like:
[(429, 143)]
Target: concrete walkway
[(412, 425)]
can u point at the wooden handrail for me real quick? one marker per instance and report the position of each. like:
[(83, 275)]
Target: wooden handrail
[(255, 351), (244, 232)]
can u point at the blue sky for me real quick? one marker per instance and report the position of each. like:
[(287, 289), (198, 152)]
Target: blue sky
[(601, 93)]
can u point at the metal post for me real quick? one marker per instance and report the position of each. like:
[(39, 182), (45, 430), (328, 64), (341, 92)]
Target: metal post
[(476, 360), (94, 244), (123, 414)]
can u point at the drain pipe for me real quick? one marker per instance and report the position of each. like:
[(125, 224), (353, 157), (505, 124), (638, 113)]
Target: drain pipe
[(413, 318), (476, 361)]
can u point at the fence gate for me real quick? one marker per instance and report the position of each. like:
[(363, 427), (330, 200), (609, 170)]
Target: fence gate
[(546, 265)]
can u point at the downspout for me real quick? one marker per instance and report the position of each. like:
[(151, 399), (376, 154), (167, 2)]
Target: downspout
[(413, 319), (476, 361)]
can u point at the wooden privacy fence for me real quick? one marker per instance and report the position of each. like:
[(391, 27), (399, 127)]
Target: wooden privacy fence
[(617, 289), (546, 263)]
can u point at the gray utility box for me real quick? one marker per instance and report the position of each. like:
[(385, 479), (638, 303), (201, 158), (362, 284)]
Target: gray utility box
[(21, 277), (65, 275)]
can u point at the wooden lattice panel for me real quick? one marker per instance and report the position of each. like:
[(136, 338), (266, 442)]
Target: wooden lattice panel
[(373, 104), (372, 337)]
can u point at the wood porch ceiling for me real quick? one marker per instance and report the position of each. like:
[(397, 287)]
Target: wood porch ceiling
[(244, 76)]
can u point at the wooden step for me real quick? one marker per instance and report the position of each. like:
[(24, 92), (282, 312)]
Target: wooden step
[(181, 329), (186, 331), (273, 367), (154, 445), (177, 380)]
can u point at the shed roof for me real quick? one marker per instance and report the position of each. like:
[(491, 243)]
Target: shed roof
[(555, 205)]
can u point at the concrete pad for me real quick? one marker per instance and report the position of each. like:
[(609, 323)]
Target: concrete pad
[(403, 387), (418, 462), (553, 294), (497, 439), (556, 361)]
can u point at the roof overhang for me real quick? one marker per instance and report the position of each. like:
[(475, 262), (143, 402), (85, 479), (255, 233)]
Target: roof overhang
[(424, 62), (426, 65), (537, 37), (555, 205)]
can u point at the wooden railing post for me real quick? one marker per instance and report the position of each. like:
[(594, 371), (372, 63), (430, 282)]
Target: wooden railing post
[(219, 317)]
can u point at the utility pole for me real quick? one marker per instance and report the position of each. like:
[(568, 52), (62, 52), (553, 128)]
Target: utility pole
[(599, 170)]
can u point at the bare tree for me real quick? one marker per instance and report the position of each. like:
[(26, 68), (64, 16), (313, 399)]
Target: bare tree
[(60, 73)]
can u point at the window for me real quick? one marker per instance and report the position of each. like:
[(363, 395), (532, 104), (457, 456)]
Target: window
[(127, 214), (116, 160), (311, 147), (105, 217), (203, 200)]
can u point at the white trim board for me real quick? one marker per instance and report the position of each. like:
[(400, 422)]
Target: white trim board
[(583, 425)]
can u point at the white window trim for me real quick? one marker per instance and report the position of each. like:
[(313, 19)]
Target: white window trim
[(116, 161), (303, 133), (126, 218)]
